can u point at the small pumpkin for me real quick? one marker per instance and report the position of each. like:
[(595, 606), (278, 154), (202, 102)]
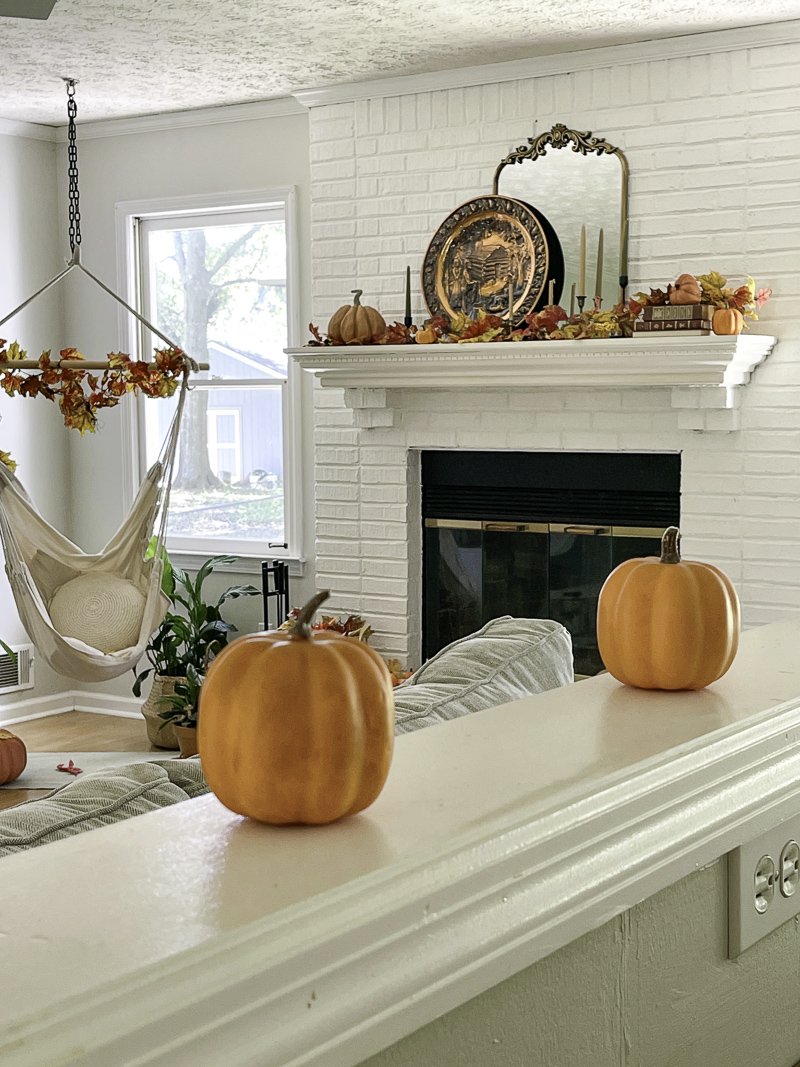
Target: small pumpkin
[(356, 324), (686, 290), (296, 726), (667, 623), (426, 336), (13, 756), (727, 321)]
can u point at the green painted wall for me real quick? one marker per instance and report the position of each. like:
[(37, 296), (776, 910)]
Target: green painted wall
[(651, 988)]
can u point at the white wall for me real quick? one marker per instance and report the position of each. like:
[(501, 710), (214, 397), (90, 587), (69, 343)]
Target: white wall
[(217, 158), (712, 140), (651, 988), (31, 429)]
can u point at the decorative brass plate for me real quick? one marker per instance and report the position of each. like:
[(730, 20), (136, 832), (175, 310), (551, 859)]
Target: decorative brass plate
[(478, 250)]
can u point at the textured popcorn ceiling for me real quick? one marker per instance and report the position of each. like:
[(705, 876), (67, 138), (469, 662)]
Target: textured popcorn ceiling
[(136, 57)]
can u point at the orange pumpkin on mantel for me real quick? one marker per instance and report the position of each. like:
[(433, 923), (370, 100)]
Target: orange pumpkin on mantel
[(667, 623), (296, 726), (356, 324), (13, 757), (727, 321)]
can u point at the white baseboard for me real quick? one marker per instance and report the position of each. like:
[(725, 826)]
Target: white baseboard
[(107, 704), (73, 700)]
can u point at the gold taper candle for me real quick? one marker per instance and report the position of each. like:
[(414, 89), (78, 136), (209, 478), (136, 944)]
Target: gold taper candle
[(551, 291), (623, 251), (572, 301), (598, 286), (582, 268), (510, 301)]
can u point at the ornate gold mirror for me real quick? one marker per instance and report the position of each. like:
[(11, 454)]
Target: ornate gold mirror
[(585, 188)]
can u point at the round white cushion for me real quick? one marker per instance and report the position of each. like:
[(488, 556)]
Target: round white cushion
[(102, 610)]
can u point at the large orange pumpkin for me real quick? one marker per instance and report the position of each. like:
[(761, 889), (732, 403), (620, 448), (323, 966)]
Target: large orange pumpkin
[(296, 726), (13, 757), (667, 623)]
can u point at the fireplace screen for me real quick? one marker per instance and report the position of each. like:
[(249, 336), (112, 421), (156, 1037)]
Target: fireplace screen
[(476, 571), (478, 568)]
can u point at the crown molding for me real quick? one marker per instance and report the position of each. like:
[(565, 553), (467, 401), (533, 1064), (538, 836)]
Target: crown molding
[(710, 42), (34, 130), (177, 120)]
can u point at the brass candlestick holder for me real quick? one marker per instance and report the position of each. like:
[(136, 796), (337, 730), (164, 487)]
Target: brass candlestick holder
[(581, 301)]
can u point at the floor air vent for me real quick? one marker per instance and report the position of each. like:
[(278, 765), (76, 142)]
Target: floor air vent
[(16, 672)]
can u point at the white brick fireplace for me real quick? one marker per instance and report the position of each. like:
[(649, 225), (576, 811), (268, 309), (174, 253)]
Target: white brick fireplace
[(711, 127), (369, 439)]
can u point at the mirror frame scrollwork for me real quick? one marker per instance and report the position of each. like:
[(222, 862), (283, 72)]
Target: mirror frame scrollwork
[(584, 143)]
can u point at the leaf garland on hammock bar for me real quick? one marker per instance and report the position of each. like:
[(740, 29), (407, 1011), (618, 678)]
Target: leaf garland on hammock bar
[(65, 385)]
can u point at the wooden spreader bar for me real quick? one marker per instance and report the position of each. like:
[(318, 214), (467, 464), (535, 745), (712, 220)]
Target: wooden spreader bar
[(70, 364)]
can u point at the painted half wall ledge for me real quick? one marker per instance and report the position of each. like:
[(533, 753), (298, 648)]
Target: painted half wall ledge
[(283, 945)]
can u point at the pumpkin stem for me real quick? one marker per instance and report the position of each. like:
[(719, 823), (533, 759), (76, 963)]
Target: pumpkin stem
[(357, 293), (671, 545), (302, 624)]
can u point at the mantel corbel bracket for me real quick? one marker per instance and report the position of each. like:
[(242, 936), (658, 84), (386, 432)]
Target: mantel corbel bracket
[(708, 408), (370, 407)]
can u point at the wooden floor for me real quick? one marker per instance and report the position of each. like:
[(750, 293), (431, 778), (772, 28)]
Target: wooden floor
[(76, 731)]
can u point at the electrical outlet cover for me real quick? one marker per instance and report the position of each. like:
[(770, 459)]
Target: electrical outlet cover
[(762, 877)]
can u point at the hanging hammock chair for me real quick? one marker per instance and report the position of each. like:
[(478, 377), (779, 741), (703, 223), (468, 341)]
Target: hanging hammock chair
[(90, 616)]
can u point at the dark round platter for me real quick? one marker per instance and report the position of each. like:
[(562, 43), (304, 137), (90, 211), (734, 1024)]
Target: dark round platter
[(482, 247)]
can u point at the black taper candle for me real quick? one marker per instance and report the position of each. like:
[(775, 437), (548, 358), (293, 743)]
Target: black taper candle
[(408, 320)]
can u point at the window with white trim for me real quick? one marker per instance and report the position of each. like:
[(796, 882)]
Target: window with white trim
[(216, 282)]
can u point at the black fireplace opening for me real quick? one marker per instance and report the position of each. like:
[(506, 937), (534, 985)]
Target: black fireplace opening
[(535, 535)]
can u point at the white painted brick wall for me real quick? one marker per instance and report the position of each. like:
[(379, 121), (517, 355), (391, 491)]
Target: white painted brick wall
[(713, 144)]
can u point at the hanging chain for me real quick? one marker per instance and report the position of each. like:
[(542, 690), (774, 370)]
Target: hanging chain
[(72, 153)]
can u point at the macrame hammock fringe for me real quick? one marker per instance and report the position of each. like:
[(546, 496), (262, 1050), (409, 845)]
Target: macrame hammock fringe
[(90, 616)]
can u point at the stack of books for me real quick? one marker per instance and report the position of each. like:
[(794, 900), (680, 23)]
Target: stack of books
[(688, 318)]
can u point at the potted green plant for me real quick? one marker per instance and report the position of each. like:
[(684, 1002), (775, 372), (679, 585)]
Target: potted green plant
[(189, 636), (181, 711)]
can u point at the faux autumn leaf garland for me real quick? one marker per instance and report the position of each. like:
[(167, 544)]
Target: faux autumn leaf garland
[(552, 323), (67, 385)]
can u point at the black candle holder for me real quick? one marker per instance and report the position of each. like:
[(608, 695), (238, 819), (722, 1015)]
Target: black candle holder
[(623, 285), (581, 301)]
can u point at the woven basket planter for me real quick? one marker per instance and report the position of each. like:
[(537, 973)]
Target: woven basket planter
[(152, 708)]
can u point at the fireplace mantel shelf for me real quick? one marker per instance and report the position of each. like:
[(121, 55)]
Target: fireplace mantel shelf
[(703, 372), (613, 363)]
